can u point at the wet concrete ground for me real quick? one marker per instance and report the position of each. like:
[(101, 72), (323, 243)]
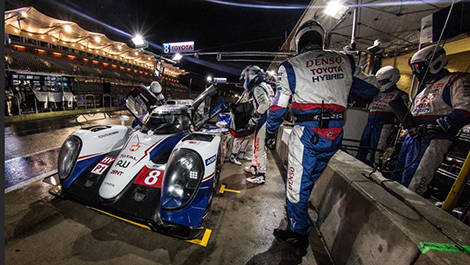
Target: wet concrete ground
[(42, 229)]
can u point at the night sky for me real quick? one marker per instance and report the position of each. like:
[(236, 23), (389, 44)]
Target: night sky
[(213, 27)]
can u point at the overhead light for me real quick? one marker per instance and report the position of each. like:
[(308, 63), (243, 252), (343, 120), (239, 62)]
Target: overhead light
[(24, 14), (139, 41), (97, 39), (42, 37), (68, 28), (209, 78), (177, 56), (119, 47), (135, 53), (335, 9)]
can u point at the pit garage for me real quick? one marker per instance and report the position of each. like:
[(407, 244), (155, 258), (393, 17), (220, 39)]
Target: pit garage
[(120, 146)]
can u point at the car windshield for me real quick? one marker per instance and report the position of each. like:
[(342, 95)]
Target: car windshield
[(167, 123)]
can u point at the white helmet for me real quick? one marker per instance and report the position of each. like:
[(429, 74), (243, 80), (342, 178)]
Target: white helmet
[(271, 76), (424, 59), (155, 87), (251, 75), (309, 36), (387, 77)]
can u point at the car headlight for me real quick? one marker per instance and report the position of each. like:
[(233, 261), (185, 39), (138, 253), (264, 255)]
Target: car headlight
[(68, 155), (182, 177)]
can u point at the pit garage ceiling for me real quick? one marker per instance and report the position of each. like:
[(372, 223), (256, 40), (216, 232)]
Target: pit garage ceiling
[(395, 23)]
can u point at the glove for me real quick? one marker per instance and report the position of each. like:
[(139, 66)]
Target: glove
[(270, 140), (426, 130), (252, 124)]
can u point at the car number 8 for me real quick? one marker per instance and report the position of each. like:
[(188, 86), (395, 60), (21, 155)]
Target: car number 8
[(152, 177)]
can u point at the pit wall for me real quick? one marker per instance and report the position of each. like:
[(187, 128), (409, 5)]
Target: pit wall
[(374, 220)]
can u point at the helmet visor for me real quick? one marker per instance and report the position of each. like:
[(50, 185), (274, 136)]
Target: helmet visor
[(418, 68), (383, 81)]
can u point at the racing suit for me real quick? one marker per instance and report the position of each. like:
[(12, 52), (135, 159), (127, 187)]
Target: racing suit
[(240, 144), (379, 125), (314, 80), (262, 99), (444, 102)]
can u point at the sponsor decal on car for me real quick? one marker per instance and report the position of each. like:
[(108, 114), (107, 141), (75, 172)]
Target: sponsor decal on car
[(134, 147), (107, 134), (128, 157), (210, 160), (101, 167), (109, 184), (123, 163), (116, 172)]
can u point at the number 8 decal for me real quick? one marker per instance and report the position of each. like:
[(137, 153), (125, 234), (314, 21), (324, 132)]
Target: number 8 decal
[(152, 177)]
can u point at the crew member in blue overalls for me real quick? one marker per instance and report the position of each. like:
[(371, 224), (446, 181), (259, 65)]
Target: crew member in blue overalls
[(441, 108), (381, 120)]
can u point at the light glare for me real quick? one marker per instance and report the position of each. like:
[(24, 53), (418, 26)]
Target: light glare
[(68, 28), (177, 56), (335, 9), (138, 40)]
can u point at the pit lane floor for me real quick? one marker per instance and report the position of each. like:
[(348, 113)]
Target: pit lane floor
[(42, 229)]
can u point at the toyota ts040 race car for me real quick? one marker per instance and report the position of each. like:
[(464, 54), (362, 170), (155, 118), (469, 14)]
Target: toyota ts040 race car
[(162, 175)]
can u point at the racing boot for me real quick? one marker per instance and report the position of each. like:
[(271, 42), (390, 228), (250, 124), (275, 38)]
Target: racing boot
[(253, 170), (297, 241), (259, 178), (233, 159)]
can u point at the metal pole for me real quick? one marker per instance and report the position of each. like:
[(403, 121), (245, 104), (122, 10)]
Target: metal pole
[(413, 82), (354, 28), (457, 188), (190, 83)]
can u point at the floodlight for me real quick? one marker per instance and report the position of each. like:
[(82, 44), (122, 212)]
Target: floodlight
[(209, 78), (139, 41), (97, 39), (335, 9), (23, 14), (177, 57), (68, 28)]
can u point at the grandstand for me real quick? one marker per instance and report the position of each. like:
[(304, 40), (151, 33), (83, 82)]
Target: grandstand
[(53, 65)]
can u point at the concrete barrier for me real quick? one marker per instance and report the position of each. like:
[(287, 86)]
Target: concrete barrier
[(373, 220)]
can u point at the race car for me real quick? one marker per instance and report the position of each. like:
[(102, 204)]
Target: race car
[(162, 176)]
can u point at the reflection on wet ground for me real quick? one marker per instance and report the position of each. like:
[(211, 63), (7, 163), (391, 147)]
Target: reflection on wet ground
[(22, 168), (32, 147)]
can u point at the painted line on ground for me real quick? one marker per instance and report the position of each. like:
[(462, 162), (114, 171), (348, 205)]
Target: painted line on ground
[(120, 218), (35, 153), (205, 239), (30, 180)]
